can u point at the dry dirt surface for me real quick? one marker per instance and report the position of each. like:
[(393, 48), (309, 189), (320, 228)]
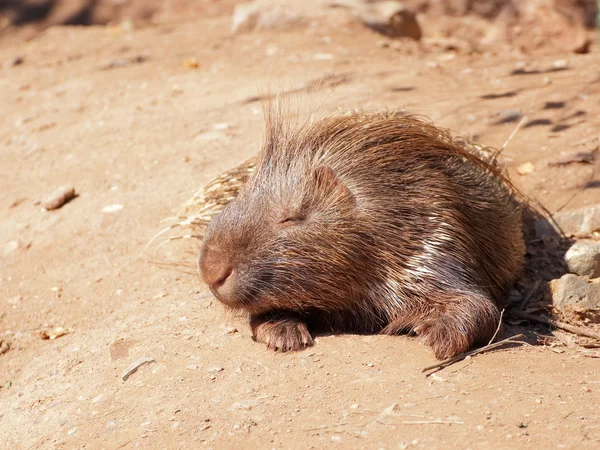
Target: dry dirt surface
[(135, 118)]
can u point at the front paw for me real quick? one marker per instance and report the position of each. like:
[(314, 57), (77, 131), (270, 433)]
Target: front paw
[(283, 335)]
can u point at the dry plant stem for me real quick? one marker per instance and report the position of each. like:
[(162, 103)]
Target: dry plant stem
[(529, 295), (448, 362), (519, 125), (433, 422), (498, 328), (560, 325), (324, 427), (585, 141)]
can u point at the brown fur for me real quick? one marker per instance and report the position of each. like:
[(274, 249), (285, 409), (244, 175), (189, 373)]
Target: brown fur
[(367, 223)]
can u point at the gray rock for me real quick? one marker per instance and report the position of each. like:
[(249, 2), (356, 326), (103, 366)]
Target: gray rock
[(576, 298), (263, 14), (579, 222), (387, 17), (583, 258)]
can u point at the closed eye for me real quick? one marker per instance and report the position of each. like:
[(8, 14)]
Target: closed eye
[(290, 220)]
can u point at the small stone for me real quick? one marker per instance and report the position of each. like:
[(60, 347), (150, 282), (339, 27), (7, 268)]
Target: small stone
[(191, 63), (576, 298), (244, 405), (579, 222), (97, 398), (215, 369), (525, 169), (322, 57), (583, 46), (72, 431), (112, 208), (14, 300), (192, 367), (59, 198), (4, 346), (583, 258), (10, 247), (388, 17), (560, 64)]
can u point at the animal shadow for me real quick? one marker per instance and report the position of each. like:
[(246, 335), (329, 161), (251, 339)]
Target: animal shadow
[(529, 303)]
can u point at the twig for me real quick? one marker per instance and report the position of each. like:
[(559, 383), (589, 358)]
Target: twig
[(530, 294), (584, 141), (448, 362), (519, 125), (560, 325), (326, 426), (432, 422)]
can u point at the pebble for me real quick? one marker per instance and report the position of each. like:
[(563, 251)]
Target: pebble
[(525, 168), (391, 18), (112, 208), (560, 64), (4, 346), (576, 298), (10, 247), (59, 198), (244, 405), (581, 222), (322, 57), (583, 258)]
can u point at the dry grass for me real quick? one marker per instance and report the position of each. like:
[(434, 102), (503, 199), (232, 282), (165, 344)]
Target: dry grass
[(195, 214)]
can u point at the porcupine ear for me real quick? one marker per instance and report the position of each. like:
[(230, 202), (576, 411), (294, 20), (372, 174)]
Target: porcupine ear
[(329, 183)]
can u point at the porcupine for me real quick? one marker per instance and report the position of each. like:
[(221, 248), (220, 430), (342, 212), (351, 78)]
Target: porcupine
[(370, 223)]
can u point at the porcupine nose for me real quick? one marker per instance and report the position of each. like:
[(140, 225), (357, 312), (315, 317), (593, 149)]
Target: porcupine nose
[(217, 273)]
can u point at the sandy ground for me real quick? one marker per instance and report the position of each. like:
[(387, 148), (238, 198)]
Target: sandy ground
[(117, 114)]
